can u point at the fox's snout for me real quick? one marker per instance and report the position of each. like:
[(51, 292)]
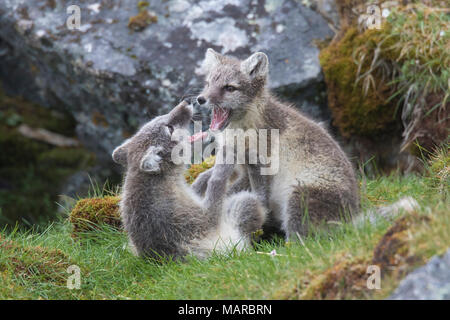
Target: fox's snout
[(211, 96), (201, 100)]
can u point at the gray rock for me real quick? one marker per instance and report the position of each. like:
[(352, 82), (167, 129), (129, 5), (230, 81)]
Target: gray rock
[(113, 79), (430, 282)]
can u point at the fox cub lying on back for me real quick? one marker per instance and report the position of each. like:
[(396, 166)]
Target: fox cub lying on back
[(161, 214)]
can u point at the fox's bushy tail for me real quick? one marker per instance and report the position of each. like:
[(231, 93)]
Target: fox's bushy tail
[(390, 212)]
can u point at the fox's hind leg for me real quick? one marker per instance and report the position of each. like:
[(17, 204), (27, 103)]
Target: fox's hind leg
[(311, 205), (241, 183), (243, 214)]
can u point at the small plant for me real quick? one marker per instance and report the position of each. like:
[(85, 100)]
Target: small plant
[(195, 169)]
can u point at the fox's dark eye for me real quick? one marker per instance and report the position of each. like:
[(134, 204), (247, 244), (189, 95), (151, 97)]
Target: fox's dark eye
[(170, 129), (230, 88)]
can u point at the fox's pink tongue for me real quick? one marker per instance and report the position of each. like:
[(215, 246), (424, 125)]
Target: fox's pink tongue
[(219, 117), (198, 136)]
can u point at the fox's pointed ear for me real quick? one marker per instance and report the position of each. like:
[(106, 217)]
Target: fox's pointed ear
[(120, 154), (151, 161), (257, 65), (212, 58)]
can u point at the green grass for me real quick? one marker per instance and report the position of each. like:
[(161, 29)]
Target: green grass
[(33, 265)]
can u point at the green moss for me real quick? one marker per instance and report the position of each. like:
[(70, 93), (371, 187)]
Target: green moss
[(195, 169), (89, 213), (66, 158), (371, 74), (354, 112), (34, 115)]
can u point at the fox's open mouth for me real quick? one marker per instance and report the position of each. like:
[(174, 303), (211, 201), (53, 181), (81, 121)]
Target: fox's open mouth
[(197, 136), (220, 118)]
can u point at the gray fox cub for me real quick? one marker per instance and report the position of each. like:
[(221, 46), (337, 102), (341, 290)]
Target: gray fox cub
[(161, 214), (315, 181)]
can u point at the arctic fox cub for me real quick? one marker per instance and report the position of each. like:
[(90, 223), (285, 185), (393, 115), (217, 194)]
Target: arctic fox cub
[(161, 214), (315, 181)]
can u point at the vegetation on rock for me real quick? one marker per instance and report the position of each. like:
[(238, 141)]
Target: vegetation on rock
[(392, 81), (143, 18), (89, 213)]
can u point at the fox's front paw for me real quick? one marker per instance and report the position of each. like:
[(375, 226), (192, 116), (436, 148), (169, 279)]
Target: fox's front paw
[(201, 183)]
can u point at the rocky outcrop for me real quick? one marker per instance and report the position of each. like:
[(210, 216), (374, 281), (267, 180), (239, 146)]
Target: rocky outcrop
[(430, 282), (130, 60)]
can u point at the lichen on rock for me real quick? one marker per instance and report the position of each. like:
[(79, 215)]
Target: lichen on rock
[(143, 19)]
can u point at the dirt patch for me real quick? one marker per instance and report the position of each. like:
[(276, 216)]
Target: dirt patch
[(392, 252), (347, 278)]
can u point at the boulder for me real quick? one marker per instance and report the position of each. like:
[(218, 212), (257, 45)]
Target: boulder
[(130, 61), (429, 282)]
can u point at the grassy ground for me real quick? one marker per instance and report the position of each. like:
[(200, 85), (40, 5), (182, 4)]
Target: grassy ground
[(322, 266)]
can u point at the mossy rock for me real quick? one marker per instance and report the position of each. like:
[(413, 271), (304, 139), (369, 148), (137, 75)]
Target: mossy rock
[(372, 74), (89, 213), (16, 110), (346, 278), (354, 112)]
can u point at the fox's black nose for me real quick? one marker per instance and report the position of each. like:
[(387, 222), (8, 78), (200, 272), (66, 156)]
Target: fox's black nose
[(201, 100)]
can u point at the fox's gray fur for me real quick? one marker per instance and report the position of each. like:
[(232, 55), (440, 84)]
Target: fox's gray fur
[(161, 214), (315, 178)]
